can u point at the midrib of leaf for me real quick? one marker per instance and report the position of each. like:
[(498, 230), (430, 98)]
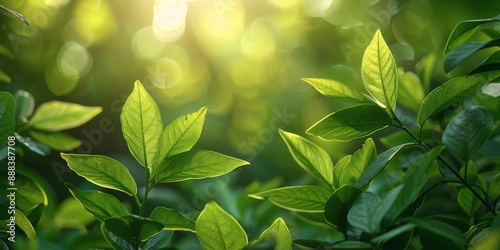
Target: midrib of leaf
[(383, 78), (142, 133), (183, 133)]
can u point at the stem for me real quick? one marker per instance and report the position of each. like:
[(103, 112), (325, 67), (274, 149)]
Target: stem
[(465, 171), (149, 186)]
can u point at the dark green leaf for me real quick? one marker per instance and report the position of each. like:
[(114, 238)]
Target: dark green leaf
[(311, 244), (100, 204), (277, 237), (309, 199), (196, 165), (58, 141), (34, 215), (216, 229), (351, 244), (464, 30), (468, 202), (142, 125), (102, 171), (466, 133), (337, 91), (158, 242), (494, 188), (339, 204), (392, 233), (25, 104), (172, 219), (466, 50), (434, 231), (350, 171), (7, 122), (309, 156), (28, 194), (452, 92), (32, 145), (56, 116), (351, 123), (132, 228), (379, 72)]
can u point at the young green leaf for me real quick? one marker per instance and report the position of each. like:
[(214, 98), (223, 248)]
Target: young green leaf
[(55, 116), (142, 125), (310, 199), (374, 168), (379, 72), (452, 92), (132, 228), (464, 30), (351, 123), (337, 91), (277, 237), (7, 122), (196, 165), (466, 50), (102, 171), (368, 210), (468, 202), (339, 204), (433, 231), (340, 167), (25, 104), (410, 91), (56, 140), (100, 204), (216, 229), (309, 156), (172, 219), (466, 133), (350, 171), (24, 224), (181, 135)]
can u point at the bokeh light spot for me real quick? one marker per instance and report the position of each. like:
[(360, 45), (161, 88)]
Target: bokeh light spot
[(145, 44), (165, 73), (169, 21), (258, 42), (74, 61), (58, 83)]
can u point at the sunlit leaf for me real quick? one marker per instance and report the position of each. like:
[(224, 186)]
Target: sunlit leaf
[(24, 224), (34, 146), (310, 199), (7, 122), (433, 231), (351, 123), (352, 170), (102, 171), (339, 204), (132, 228), (25, 104), (339, 168), (100, 204), (379, 72), (464, 51), (172, 219), (277, 237), (410, 91), (199, 164), (452, 92), (142, 125), (368, 210), (56, 140), (464, 30), (309, 156), (337, 91), (466, 133), (56, 116), (216, 229)]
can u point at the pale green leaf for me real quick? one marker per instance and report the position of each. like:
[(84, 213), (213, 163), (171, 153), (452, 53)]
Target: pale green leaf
[(379, 72), (99, 204), (196, 165), (352, 170), (172, 219), (56, 140), (56, 116), (216, 229), (466, 133), (102, 171), (466, 50), (410, 91), (141, 125), (24, 224), (339, 204), (339, 168), (310, 199), (337, 91), (64, 215), (309, 156), (25, 104), (7, 122), (464, 30), (351, 123), (452, 92), (277, 237)]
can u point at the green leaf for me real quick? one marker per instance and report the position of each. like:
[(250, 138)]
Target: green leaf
[(468, 202), (351, 123), (100, 204), (426, 69), (102, 171), (277, 236), (56, 116), (433, 231), (196, 165), (24, 224), (132, 228), (32, 145), (56, 140), (392, 233), (4, 77), (310, 199), (351, 170), (28, 194), (464, 30), (15, 14), (466, 133), (141, 125), (34, 214), (379, 72), (172, 219), (309, 156), (216, 229), (368, 210), (494, 188), (410, 91), (339, 204), (64, 215), (490, 64), (7, 122), (339, 168), (376, 166), (337, 91), (466, 50), (159, 241), (452, 92), (25, 104), (351, 244)]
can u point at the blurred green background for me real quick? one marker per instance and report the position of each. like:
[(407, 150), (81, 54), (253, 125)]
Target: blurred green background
[(243, 59)]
